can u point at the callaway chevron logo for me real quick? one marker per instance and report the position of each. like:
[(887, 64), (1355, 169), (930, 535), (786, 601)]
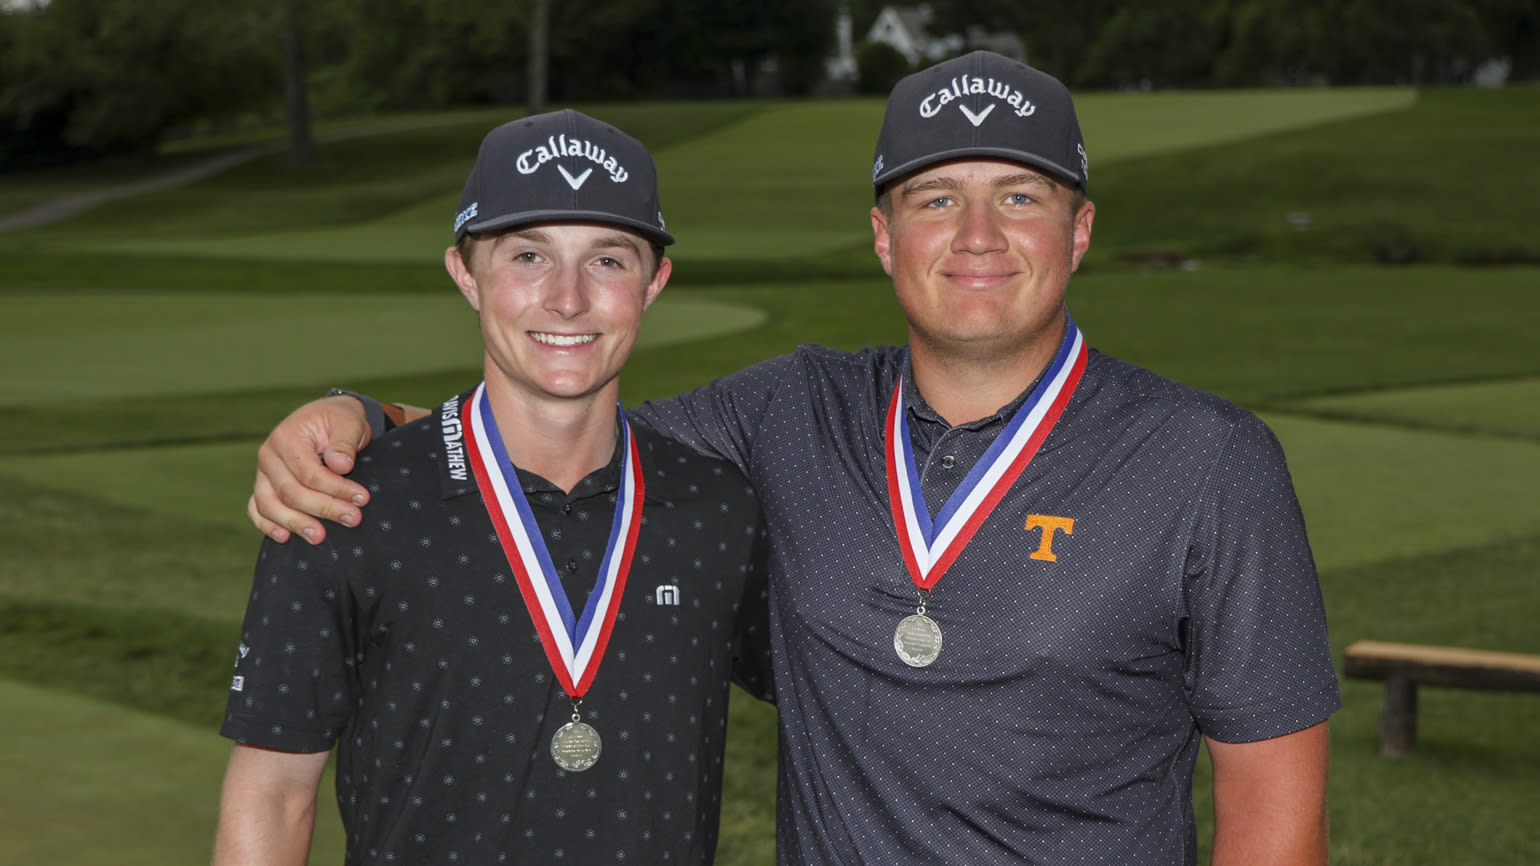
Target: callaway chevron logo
[(966, 85), (560, 145)]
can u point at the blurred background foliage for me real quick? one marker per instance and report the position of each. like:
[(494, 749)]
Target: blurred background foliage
[(84, 78)]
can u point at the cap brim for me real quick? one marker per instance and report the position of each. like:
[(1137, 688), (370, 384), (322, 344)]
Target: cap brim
[(509, 221)]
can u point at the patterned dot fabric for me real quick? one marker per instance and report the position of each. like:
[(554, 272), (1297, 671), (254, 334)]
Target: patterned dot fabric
[(1145, 582), (406, 644)]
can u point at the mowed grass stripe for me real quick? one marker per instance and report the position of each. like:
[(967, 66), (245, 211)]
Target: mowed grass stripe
[(96, 345), (1502, 408), (1367, 492), (91, 783), (1371, 493), (783, 180)]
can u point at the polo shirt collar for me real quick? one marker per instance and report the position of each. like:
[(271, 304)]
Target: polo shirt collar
[(457, 479), (920, 411)]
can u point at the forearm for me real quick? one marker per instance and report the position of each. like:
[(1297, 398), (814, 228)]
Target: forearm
[(267, 811), (1270, 840), (1270, 800)]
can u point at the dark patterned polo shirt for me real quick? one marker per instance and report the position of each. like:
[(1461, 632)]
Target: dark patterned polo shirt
[(1145, 581), (406, 644)]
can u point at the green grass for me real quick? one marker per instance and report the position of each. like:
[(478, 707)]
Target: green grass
[(1446, 180), (1510, 408), (135, 790), (158, 344), (146, 346)]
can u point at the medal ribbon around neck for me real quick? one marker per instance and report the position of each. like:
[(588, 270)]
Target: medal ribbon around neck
[(930, 547), (574, 645)]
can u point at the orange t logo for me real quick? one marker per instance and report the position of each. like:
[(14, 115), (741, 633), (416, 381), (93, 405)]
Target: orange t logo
[(1049, 525)]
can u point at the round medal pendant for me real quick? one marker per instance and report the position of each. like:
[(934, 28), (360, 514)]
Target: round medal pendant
[(917, 640), (576, 747)]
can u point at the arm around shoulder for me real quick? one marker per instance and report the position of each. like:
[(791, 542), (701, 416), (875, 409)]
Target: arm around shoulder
[(268, 806), (1270, 800), (300, 467)]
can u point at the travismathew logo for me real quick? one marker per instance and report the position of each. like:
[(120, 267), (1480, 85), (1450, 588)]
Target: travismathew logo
[(454, 439), (466, 214), (560, 145), (965, 85)]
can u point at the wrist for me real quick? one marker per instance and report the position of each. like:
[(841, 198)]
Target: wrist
[(381, 419)]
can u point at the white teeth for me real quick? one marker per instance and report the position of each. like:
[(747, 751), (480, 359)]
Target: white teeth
[(563, 339)]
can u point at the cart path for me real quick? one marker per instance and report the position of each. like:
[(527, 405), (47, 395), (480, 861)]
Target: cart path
[(64, 207)]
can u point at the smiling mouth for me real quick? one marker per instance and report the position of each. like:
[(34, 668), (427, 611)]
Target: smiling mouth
[(563, 339)]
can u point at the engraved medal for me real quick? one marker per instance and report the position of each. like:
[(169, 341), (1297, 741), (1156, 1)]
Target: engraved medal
[(930, 546), (576, 746), (917, 640)]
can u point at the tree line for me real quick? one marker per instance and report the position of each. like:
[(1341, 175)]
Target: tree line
[(84, 78)]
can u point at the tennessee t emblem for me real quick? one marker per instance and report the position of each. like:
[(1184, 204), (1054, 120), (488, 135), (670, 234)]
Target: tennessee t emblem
[(1049, 525)]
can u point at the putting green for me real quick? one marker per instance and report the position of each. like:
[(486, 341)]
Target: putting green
[(75, 346), (1120, 126), (1372, 493), (90, 784), (1505, 407)]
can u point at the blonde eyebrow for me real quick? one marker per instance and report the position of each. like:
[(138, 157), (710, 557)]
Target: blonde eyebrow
[(945, 183), (933, 184), (534, 235), (616, 240), (1027, 178), (602, 242)]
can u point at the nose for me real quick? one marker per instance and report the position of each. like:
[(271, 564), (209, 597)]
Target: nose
[(979, 231), (567, 296)]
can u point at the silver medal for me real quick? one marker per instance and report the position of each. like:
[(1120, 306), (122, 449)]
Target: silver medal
[(917, 640), (576, 747)]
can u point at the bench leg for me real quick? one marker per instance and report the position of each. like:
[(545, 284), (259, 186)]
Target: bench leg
[(1398, 719)]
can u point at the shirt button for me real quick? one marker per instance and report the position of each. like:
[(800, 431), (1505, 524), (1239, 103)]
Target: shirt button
[(566, 509), (948, 461), (572, 566)]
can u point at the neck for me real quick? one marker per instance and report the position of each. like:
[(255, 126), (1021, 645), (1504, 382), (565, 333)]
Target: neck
[(964, 387), (562, 441)]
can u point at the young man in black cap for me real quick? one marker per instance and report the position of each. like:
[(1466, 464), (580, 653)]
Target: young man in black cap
[(524, 655), (1015, 582)]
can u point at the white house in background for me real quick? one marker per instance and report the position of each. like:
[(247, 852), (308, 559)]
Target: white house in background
[(907, 28)]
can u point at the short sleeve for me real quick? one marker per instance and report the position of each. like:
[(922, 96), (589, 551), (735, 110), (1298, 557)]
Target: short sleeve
[(1258, 661), (294, 686), (723, 418)]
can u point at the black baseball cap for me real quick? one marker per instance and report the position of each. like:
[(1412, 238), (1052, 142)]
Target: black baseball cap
[(561, 167), (980, 104)]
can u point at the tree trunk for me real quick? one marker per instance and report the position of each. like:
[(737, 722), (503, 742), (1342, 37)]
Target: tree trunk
[(539, 33), (295, 98)]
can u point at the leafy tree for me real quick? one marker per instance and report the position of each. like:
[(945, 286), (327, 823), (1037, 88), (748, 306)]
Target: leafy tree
[(879, 66), (115, 74)]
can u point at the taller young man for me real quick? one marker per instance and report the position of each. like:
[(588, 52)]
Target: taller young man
[(524, 655), (1015, 582)]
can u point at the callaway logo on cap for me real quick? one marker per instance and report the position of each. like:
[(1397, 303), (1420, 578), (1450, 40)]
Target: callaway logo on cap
[(561, 167), (981, 104)]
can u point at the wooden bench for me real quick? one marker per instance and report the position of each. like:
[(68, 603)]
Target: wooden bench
[(1404, 666)]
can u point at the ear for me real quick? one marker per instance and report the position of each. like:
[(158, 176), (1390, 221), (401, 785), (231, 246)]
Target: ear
[(659, 280), (882, 240), (460, 272), (1082, 240)]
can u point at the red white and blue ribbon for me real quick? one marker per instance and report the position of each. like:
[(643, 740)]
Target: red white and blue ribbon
[(930, 546), (573, 644)]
